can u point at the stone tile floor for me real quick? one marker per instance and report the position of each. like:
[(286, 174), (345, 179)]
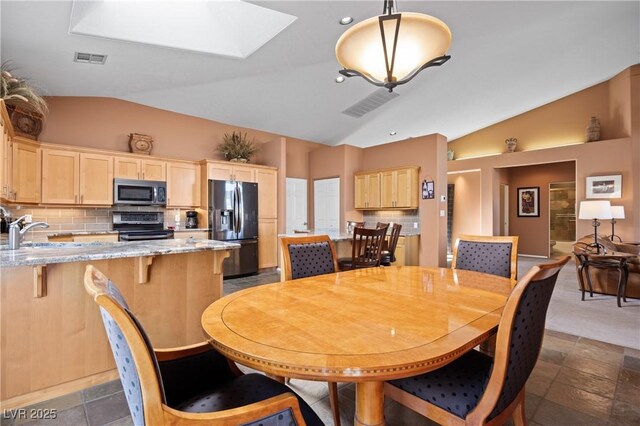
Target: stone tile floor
[(577, 381)]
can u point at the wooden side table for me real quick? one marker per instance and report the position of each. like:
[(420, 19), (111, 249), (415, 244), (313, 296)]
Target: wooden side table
[(616, 261)]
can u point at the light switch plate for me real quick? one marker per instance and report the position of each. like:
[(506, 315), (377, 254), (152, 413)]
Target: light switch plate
[(441, 213), (443, 198)]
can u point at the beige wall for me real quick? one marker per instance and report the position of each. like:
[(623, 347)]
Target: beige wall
[(106, 123), (534, 231), (298, 157), (616, 103), (430, 154), (467, 200), (558, 123)]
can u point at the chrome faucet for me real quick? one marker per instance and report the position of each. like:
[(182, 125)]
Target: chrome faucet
[(16, 234)]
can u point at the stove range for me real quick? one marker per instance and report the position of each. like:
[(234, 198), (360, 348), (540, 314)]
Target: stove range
[(140, 226)]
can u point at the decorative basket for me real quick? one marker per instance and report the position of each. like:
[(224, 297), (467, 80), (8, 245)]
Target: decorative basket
[(140, 144)]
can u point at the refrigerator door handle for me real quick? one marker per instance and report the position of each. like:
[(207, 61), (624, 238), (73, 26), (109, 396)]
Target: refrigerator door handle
[(236, 209), (240, 208)]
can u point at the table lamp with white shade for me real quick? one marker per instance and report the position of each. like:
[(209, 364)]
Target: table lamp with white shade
[(594, 210), (617, 212)]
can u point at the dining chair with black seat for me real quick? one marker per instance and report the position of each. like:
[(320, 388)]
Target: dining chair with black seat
[(366, 249), (496, 255), (306, 257), (190, 384), (476, 389), (389, 249)]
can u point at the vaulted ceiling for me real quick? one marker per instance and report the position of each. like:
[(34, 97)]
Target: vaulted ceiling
[(507, 58)]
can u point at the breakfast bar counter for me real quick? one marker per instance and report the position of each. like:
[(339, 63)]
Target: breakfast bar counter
[(53, 341), (31, 254)]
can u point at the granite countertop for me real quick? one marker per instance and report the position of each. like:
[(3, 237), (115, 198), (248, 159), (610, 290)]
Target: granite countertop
[(74, 233), (344, 236), (31, 254)]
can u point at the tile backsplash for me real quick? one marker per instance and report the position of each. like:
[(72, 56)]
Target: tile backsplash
[(407, 218), (74, 219)]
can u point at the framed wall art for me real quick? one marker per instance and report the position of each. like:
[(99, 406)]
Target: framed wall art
[(428, 190), (529, 202), (604, 186)]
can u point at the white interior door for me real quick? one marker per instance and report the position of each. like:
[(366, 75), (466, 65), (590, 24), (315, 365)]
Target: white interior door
[(296, 204), (326, 204)]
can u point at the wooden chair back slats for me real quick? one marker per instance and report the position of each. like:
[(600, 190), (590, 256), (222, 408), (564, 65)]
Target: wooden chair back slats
[(367, 247)]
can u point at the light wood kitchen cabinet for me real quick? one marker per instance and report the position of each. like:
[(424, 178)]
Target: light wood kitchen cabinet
[(387, 189), (183, 184), (71, 177), (60, 176), (6, 156), (367, 190), (399, 188), (267, 243), (26, 179), (267, 180), (137, 168), (230, 171), (198, 235), (407, 251), (96, 179)]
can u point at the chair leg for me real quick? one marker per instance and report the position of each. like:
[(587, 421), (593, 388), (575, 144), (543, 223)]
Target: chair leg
[(333, 399), (519, 418), (488, 347)]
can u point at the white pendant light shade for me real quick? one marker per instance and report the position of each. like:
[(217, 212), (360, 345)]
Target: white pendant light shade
[(422, 41)]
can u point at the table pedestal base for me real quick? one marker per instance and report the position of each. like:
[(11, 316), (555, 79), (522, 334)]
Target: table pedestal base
[(369, 404)]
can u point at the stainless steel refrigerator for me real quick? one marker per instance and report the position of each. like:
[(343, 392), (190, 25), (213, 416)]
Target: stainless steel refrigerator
[(233, 217)]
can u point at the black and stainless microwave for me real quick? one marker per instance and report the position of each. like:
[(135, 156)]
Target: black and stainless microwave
[(134, 192)]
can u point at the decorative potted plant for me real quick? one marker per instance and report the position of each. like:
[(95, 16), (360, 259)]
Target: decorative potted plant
[(26, 108), (237, 147)]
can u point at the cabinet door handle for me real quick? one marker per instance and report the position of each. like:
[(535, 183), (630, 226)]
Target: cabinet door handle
[(142, 175)]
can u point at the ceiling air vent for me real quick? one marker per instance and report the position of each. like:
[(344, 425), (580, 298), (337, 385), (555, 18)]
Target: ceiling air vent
[(371, 102), (89, 58)]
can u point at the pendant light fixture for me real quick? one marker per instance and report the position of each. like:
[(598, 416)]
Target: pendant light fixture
[(391, 49)]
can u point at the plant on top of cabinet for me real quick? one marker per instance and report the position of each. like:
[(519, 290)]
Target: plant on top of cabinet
[(237, 147), (26, 108)]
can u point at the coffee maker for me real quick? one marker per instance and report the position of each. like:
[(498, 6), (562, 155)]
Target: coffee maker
[(192, 219)]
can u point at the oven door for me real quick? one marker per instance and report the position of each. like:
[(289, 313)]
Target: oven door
[(145, 235)]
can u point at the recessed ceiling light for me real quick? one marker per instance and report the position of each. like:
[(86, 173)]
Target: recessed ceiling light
[(346, 20), (392, 133), (339, 79)]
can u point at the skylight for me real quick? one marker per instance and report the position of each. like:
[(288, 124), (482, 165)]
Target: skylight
[(230, 28)]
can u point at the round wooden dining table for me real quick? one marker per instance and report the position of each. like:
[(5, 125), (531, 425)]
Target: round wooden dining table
[(364, 326)]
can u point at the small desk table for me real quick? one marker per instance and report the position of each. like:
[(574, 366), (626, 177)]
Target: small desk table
[(364, 326)]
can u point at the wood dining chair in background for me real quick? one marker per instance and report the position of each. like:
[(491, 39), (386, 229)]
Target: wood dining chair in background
[(389, 252), (191, 384), (306, 257), (366, 249), (476, 389), (496, 255)]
